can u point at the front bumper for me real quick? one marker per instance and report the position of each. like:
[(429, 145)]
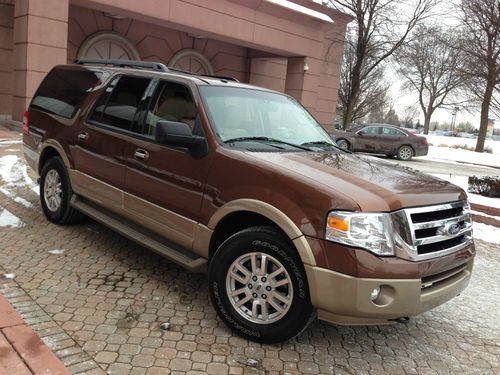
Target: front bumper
[(344, 299)]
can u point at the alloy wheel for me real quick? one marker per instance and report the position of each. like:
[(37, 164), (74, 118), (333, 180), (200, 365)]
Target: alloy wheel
[(259, 288), (52, 191)]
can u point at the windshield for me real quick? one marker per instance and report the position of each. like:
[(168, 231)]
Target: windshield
[(248, 115)]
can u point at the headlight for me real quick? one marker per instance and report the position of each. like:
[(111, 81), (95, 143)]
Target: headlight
[(371, 231)]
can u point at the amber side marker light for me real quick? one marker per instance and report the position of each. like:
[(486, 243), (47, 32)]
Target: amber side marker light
[(339, 224)]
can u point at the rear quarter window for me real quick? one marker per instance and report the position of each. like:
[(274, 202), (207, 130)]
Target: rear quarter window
[(63, 91)]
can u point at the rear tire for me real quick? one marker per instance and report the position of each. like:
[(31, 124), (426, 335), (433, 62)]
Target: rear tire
[(56, 193), (258, 286), (405, 153)]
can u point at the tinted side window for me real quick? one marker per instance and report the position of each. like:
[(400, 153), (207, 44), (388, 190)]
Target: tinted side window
[(391, 131), (63, 91), (370, 130), (173, 103), (117, 107)]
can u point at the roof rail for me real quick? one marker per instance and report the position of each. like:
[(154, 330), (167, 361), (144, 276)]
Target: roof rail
[(175, 70), (148, 65), (125, 63)]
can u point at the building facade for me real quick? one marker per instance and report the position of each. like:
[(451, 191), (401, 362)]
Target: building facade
[(293, 46)]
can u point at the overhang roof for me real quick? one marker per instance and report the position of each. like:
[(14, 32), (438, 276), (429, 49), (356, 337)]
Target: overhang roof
[(301, 9)]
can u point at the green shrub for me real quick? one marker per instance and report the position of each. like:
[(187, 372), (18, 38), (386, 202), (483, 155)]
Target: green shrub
[(485, 185)]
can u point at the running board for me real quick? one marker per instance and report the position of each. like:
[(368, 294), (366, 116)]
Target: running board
[(134, 232)]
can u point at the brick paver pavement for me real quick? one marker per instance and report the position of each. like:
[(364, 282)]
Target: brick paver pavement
[(99, 299)]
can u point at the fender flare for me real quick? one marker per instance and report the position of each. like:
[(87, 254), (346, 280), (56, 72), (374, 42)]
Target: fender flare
[(275, 215), (58, 147)]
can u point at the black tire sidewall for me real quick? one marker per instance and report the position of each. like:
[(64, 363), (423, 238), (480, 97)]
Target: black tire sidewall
[(264, 241), (399, 152), (343, 141), (56, 163)]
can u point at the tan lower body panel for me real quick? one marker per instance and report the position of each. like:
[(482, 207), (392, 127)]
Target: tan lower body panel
[(172, 226), (343, 299)]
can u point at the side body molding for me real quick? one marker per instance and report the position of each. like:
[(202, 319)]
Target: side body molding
[(273, 214)]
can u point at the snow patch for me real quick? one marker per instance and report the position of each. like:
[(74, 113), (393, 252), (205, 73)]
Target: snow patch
[(14, 171), (7, 163), (486, 232), (7, 219), (437, 140), (56, 252), (23, 201), (36, 189), (7, 142)]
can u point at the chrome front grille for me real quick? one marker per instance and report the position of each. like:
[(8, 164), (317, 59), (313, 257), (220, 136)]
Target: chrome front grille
[(432, 231)]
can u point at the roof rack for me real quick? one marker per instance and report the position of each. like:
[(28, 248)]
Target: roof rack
[(125, 63), (148, 65), (202, 75)]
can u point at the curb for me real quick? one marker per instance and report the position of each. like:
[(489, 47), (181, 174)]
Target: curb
[(23, 350), (494, 211)]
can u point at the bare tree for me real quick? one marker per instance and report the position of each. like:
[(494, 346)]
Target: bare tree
[(372, 95), (410, 113), (430, 66), (381, 28), (391, 117), (481, 50)]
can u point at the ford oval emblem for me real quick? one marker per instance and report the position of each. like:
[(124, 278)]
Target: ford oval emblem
[(452, 229)]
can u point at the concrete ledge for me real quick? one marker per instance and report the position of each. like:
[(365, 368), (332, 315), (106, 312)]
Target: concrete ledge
[(486, 209)]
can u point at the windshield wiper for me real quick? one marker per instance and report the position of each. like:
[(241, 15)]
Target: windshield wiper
[(266, 139)]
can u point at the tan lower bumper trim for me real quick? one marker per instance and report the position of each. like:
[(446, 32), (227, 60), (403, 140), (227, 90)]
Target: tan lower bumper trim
[(344, 299)]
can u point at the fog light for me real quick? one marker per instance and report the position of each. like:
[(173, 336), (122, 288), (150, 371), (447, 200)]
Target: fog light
[(375, 293)]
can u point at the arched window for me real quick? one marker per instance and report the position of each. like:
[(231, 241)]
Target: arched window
[(108, 45), (191, 61)]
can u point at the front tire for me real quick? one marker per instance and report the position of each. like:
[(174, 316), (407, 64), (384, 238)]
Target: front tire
[(258, 286), (56, 192), (343, 144)]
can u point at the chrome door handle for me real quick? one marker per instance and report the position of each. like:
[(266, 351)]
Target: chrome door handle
[(83, 136), (141, 154)]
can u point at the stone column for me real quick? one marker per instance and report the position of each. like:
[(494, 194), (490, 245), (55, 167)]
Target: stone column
[(302, 80), (40, 42), (6, 53)]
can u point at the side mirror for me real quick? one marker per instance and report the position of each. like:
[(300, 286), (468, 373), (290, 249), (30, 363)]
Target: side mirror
[(361, 132), (175, 133)]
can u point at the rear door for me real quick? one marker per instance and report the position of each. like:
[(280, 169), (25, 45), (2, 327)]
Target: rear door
[(366, 139), (391, 139), (100, 146), (164, 184)]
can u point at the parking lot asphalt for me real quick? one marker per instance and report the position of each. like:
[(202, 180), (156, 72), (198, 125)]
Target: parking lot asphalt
[(98, 300)]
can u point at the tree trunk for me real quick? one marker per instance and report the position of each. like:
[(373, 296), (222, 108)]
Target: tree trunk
[(351, 102), (427, 122), (485, 108)]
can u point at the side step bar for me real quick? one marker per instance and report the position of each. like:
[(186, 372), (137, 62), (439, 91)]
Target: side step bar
[(134, 232)]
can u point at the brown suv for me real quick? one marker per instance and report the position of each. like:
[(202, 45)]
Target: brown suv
[(242, 182)]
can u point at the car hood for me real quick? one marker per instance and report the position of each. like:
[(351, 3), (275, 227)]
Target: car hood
[(375, 185)]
